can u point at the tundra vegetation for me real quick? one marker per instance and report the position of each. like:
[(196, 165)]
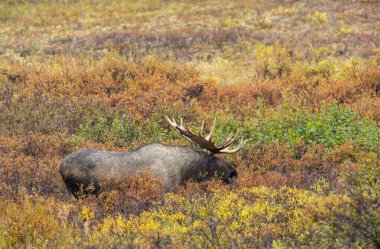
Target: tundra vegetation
[(302, 79)]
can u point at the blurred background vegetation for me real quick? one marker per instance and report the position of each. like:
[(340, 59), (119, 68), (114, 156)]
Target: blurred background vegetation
[(302, 79)]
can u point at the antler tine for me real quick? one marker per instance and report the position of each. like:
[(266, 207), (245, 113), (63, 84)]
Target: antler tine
[(228, 151), (229, 140), (172, 123), (180, 129), (209, 136), (202, 127), (175, 123)]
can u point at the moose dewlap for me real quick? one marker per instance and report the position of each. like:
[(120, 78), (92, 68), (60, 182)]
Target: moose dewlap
[(173, 165)]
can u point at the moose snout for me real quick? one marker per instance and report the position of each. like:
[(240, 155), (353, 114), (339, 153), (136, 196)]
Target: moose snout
[(231, 177), (232, 174)]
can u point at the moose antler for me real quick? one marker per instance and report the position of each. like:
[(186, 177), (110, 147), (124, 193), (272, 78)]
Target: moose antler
[(206, 142)]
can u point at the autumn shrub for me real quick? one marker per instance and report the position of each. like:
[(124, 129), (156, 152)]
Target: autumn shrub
[(131, 195), (297, 148), (249, 217), (301, 167), (45, 114), (360, 216), (153, 86), (257, 217), (141, 89), (273, 61), (34, 221), (324, 68), (31, 162)]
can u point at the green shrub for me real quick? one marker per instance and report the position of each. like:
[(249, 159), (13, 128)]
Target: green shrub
[(330, 125), (120, 131)]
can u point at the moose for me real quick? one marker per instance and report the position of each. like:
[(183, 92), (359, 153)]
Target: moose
[(172, 164)]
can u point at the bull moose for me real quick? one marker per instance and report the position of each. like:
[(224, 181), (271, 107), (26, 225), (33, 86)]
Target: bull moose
[(172, 164)]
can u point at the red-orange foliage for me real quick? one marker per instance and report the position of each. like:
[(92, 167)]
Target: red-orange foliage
[(146, 87), (277, 166), (31, 162)]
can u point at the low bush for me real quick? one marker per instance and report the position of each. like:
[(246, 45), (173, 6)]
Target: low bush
[(331, 126), (120, 131)]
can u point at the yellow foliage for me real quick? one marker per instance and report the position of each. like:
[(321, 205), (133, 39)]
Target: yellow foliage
[(318, 17), (86, 214), (346, 31), (285, 11)]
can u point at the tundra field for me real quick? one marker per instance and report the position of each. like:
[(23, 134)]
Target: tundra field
[(301, 79)]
